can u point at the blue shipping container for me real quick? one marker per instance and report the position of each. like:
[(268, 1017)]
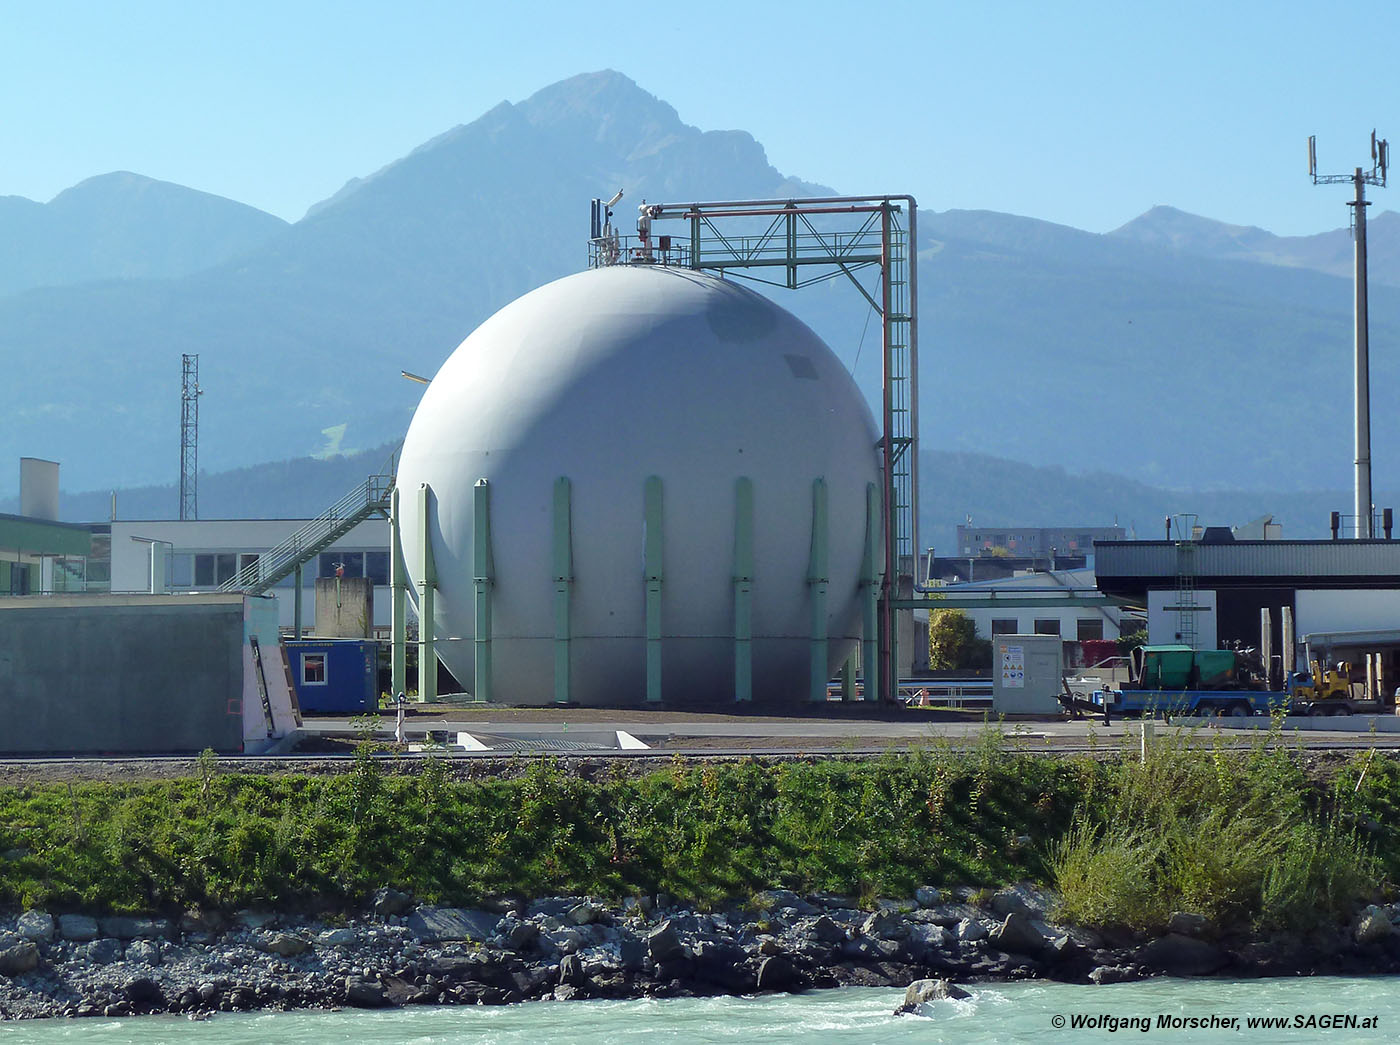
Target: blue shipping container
[(338, 675)]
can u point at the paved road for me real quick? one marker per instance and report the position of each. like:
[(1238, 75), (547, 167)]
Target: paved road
[(674, 730)]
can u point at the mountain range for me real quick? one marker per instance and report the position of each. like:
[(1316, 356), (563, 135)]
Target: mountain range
[(1177, 351), (956, 486)]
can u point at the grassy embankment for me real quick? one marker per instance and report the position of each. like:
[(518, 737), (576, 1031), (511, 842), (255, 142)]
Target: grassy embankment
[(1247, 838)]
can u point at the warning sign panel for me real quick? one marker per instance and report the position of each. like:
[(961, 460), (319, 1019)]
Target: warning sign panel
[(1013, 667)]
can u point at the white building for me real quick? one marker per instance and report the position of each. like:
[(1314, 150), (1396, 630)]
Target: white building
[(200, 555), (1075, 623)]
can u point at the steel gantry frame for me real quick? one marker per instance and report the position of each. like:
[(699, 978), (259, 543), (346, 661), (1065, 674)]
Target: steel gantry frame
[(788, 243)]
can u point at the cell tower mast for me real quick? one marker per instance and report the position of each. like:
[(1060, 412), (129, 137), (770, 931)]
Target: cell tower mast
[(1360, 178), (189, 438)]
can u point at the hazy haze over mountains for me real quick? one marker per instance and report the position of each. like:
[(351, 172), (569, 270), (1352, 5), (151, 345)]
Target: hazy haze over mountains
[(122, 226), (1175, 350)]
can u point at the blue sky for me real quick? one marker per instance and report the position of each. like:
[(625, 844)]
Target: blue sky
[(1085, 114)]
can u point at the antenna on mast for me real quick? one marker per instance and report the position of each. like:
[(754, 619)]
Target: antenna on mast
[(1360, 178)]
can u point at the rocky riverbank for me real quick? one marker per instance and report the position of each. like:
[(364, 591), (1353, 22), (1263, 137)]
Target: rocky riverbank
[(399, 953)]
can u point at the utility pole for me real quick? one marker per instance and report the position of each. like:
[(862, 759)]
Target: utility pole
[(189, 438), (1360, 178)]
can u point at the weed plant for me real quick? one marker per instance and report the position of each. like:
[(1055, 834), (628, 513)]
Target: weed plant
[(1240, 836)]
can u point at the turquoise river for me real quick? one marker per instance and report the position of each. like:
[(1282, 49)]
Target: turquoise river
[(1313, 1010)]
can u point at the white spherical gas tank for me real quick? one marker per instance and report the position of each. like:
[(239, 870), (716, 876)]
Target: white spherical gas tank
[(607, 378)]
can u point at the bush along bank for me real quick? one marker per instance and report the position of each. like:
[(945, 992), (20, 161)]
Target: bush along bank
[(772, 876)]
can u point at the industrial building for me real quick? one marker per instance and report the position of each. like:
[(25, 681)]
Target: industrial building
[(1034, 541), (1055, 602), (1342, 597), (207, 554)]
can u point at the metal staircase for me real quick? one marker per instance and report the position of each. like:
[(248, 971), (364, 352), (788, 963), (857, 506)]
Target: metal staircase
[(366, 501)]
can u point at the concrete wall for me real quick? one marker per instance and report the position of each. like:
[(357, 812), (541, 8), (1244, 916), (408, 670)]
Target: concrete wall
[(344, 607), (121, 674)]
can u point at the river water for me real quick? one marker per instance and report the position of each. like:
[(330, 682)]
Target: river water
[(995, 1013)]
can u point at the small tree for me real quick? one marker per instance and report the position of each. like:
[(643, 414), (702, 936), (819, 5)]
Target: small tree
[(953, 644)]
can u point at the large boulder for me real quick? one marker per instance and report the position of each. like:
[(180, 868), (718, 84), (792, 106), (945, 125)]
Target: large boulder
[(1373, 926), (588, 913), (342, 937), (1188, 923), (664, 944), (777, 973), (122, 927), (285, 944), (826, 930), (18, 958), (365, 994), (35, 926), (77, 927), (921, 992), (779, 899), (143, 952), (1017, 935), (1180, 955), (144, 994), (927, 896), (885, 925), (444, 924), (388, 902), (104, 952)]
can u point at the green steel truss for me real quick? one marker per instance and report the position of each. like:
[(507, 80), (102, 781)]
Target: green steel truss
[(793, 244)]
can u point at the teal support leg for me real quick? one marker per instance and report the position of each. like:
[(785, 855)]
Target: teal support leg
[(743, 589), (483, 577), (817, 581), (870, 596), (563, 583), (427, 587), (848, 679), (296, 605), (398, 602), (654, 548)]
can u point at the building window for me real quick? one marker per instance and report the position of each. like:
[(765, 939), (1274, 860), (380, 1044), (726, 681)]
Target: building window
[(248, 561), (1004, 626), (215, 568), (313, 669), (377, 567), (1047, 626), (1089, 628), (181, 570)]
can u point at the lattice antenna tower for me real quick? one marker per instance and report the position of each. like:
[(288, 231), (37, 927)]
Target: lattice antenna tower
[(189, 437), (1360, 178)]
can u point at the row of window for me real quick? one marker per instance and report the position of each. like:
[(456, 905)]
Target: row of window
[(211, 569), (1086, 628)]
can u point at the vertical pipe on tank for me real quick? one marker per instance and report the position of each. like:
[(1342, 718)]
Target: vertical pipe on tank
[(398, 601), (743, 589), (653, 548), (870, 596), (818, 576), (483, 576), (563, 584), (427, 585)]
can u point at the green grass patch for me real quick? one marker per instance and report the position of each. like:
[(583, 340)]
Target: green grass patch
[(701, 832)]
